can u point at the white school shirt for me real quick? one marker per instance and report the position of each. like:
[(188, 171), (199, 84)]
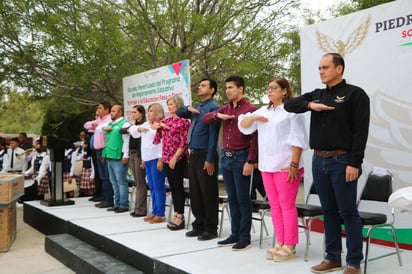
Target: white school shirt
[(277, 136), (44, 167), (77, 155), (6, 164), (18, 159), (149, 150)]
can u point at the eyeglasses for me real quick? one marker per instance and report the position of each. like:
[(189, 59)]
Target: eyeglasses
[(271, 88)]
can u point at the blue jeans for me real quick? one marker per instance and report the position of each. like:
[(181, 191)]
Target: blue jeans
[(237, 188), (156, 182), (338, 199), (117, 175), (107, 189)]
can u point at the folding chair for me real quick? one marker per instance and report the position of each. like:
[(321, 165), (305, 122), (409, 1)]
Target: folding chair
[(264, 208), (307, 213), (224, 202), (378, 188)]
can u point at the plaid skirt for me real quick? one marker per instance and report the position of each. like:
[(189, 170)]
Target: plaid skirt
[(85, 179), (66, 176), (43, 185)]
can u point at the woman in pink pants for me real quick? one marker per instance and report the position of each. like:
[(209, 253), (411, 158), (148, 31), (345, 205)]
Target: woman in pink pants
[(281, 138)]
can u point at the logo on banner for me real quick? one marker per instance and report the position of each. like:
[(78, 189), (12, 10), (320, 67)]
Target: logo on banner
[(356, 38)]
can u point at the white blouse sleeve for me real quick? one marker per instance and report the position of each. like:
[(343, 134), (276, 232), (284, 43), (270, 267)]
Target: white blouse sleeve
[(249, 130), (133, 132), (298, 135)]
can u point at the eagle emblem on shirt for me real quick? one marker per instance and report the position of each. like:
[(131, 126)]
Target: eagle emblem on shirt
[(327, 44), (339, 99)]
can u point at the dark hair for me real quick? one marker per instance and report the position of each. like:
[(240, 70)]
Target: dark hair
[(142, 111), (43, 149), (337, 60), (23, 134), (212, 84), (106, 105), (239, 82), (15, 139), (88, 148), (2, 142), (121, 109), (282, 83)]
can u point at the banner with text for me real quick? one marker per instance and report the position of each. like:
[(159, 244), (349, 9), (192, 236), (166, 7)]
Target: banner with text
[(156, 86)]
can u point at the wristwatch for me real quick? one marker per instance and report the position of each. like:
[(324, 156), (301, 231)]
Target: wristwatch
[(252, 162)]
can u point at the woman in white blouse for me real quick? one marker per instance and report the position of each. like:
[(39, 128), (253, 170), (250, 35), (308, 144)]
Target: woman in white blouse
[(152, 162), (281, 138)]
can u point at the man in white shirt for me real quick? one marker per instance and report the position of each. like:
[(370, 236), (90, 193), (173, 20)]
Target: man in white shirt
[(16, 156)]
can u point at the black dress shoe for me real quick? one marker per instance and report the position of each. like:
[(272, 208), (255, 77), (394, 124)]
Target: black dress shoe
[(96, 199), (104, 205), (98, 204), (205, 236), (136, 215), (194, 233), (121, 209), (112, 208)]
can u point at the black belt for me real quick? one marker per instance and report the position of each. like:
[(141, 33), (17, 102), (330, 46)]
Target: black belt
[(197, 151), (133, 151), (231, 153), (329, 153)]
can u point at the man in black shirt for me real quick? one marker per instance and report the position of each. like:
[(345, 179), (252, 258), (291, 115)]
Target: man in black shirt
[(338, 133)]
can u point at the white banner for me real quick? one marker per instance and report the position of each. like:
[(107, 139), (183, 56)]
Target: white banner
[(156, 86), (377, 46)]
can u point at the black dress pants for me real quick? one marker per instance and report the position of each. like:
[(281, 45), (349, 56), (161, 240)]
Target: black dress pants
[(204, 193)]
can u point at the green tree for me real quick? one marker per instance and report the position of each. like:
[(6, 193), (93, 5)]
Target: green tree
[(76, 52), (81, 49), (19, 112), (356, 5)]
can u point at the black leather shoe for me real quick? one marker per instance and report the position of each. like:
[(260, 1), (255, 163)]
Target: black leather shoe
[(137, 215), (194, 233), (205, 236), (96, 199), (112, 208), (121, 209), (230, 241), (104, 205)]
